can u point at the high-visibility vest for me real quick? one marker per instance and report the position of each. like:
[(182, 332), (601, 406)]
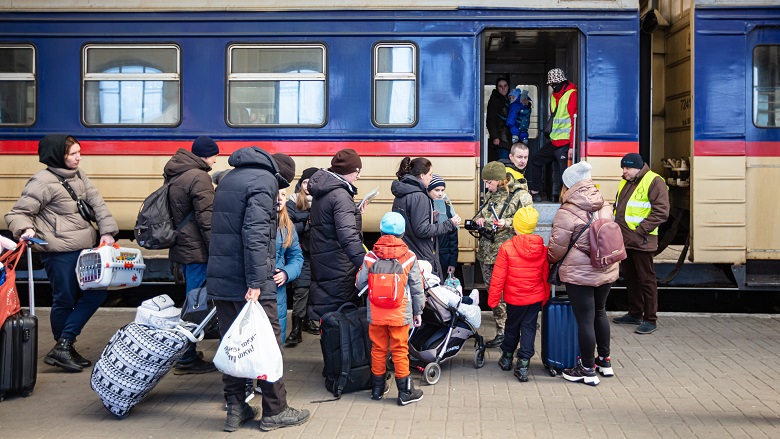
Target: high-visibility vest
[(561, 125), (638, 207)]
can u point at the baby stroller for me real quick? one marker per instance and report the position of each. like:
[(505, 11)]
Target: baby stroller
[(441, 336)]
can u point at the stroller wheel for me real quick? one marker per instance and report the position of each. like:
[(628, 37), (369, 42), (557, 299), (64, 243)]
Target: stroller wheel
[(479, 358), (432, 373)]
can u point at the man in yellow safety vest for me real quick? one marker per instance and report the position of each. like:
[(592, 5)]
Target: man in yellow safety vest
[(560, 130), (641, 205)]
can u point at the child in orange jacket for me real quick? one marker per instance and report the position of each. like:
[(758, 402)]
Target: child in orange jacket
[(388, 326), (520, 272)]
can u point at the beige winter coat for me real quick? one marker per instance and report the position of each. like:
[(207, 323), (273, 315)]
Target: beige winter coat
[(581, 199), (46, 207)]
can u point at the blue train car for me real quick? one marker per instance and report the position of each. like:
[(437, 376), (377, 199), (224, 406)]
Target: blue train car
[(389, 81)]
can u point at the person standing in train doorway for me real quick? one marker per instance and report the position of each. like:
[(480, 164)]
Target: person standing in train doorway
[(191, 197), (641, 205), (497, 112), (560, 130)]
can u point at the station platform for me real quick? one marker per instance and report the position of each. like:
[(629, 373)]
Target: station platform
[(698, 376)]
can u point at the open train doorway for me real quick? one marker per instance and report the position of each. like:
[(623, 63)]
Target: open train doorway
[(523, 57)]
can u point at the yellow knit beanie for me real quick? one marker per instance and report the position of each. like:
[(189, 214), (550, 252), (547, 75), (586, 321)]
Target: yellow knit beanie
[(525, 220)]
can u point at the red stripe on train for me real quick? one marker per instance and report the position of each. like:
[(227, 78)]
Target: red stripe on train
[(608, 149), (226, 147), (736, 148)]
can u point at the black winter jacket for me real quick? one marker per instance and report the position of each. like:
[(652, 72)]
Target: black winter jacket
[(497, 111), (448, 246), (243, 246), (412, 201), (190, 191), (336, 245)]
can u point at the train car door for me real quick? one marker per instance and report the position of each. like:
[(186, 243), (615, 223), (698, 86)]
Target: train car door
[(523, 57), (763, 142)]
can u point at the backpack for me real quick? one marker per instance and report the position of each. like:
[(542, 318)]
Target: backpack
[(154, 226), (606, 243), (387, 280), (346, 350)]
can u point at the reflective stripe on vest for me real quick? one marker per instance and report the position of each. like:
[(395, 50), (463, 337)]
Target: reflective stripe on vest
[(638, 207), (561, 125)]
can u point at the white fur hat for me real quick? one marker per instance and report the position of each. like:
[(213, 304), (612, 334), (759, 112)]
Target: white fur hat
[(576, 173)]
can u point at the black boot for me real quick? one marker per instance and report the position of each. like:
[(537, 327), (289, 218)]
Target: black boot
[(81, 361), (407, 394), (295, 336), (311, 327), (61, 356), (237, 415), (496, 342), (521, 370), (380, 387), (505, 362)]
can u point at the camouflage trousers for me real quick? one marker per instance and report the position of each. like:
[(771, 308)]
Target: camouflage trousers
[(499, 312)]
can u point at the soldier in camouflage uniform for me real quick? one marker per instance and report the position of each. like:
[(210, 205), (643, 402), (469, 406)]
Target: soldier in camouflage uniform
[(501, 187)]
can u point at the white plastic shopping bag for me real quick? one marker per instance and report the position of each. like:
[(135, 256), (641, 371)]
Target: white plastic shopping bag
[(249, 349)]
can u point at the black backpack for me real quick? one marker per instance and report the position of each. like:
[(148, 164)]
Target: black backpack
[(154, 227), (346, 350)]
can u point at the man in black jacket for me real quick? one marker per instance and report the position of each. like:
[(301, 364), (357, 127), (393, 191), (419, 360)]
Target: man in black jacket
[(242, 260), (336, 242), (190, 197)]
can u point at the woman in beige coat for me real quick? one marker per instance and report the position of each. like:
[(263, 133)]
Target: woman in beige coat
[(586, 286), (47, 211)]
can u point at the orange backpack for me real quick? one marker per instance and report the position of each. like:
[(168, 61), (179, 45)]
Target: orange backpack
[(387, 279)]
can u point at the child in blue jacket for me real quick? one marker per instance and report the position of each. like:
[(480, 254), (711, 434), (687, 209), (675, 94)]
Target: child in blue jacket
[(519, 118)]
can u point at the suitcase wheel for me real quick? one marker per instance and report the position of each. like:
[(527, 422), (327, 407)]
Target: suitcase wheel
[(553, 372), (432, 373)]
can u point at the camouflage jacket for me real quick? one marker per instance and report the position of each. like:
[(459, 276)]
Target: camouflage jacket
[(520, 197)]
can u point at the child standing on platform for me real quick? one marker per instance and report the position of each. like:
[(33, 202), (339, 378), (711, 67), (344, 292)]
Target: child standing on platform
[(520, 272), (442, 212), (389, 322)]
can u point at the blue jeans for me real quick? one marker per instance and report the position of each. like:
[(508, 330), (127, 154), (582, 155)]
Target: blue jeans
[(502, 153), (71, 308), (194, 276)]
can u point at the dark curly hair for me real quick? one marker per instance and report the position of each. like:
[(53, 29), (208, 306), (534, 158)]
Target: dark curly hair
[(415, 167)]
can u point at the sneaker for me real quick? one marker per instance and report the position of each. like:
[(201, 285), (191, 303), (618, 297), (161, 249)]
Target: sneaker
[(604, 367), (627, 320), (537, 197), (646, 328), (581, 374), (474, 297), (521, 370), (289, 417), (196, 367)]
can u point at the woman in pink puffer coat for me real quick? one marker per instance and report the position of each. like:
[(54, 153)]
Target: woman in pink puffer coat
[(586, 286)]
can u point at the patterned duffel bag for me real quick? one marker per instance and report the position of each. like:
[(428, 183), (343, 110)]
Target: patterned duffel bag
[(134, 361)]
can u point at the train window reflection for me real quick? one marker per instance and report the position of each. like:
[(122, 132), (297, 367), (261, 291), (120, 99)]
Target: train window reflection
[(395, 84), (276, 85), (138, 85), (17, 85), (766, 86)]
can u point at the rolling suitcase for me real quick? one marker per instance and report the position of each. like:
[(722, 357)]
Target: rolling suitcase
[(560, 345), (19, 333), (136, 358), (346, 350)]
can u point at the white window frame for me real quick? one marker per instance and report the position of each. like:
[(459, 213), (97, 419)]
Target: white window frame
[(388, 76), (32, 76), (277, 77), (96, 77)]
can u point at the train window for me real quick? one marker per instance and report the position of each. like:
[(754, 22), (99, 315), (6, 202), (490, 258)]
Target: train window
[(395, 84), (17, 85), (132, 85), (766, 86), (276, 85)]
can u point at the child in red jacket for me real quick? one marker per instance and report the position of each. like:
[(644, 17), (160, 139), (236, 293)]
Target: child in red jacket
[(520, 271)]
